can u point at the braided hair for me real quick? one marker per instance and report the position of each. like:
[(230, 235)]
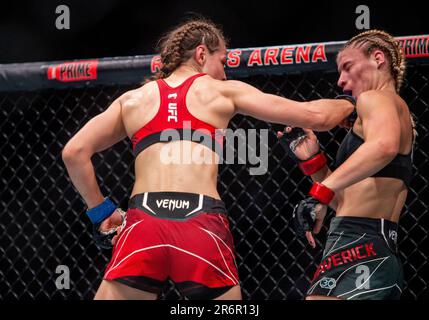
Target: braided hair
[(371, 40), (381, 40), (178, 45)]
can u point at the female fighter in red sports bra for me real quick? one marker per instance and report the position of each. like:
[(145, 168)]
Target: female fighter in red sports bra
[(176, 225)]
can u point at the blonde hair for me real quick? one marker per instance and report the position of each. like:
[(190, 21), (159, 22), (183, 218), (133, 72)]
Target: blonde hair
[(371, 40)]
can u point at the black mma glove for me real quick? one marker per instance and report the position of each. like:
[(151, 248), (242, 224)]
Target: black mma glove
[(306, 212), (351, 118), (290, 140)]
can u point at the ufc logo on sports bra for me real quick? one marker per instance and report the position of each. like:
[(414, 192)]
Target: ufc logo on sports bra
[(172, 108)]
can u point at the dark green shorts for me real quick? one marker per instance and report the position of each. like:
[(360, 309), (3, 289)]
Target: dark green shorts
[(360, 261)]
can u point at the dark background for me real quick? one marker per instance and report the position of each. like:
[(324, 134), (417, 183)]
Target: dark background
[(101, 28), (42, 223)]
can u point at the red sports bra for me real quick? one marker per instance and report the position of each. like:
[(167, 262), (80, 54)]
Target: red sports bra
[(173, 121)]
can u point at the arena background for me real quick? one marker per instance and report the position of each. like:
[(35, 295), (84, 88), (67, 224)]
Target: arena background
[(42, 220)]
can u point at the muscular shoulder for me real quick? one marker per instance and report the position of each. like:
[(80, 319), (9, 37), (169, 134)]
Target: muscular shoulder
[(147, 93), (211, 93), (231, 88), (221, 86), (372, 100), (208, 88), (208, 83)]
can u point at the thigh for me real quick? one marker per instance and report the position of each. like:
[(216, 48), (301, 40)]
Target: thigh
[(112, 290), (232, 294)]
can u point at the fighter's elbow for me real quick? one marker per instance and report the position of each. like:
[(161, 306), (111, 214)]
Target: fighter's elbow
[(72, 152), (388, 149)]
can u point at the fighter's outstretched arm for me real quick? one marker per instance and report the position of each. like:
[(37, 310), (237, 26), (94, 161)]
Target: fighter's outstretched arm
[(320, 115)]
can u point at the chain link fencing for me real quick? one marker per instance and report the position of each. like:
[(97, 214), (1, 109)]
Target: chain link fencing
[(43, 224)]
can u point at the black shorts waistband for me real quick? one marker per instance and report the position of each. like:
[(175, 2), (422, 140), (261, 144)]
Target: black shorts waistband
[(387, 229), (176, 205)]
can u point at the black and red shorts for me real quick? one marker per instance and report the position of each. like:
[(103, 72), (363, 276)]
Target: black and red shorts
[(360, 261), (184, 237)]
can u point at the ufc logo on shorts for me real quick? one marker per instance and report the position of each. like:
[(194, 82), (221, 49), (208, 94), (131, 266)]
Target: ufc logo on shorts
[(172, 108)]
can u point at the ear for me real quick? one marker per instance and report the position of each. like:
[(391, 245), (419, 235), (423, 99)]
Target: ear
[(379, 58), (200, 54)]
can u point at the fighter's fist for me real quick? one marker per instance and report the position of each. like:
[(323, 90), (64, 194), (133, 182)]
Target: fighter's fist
[(106, 232), (308, 218), (303, 144)]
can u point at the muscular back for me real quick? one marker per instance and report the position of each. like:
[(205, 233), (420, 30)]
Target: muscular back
[(379, 197), (197, 174)]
